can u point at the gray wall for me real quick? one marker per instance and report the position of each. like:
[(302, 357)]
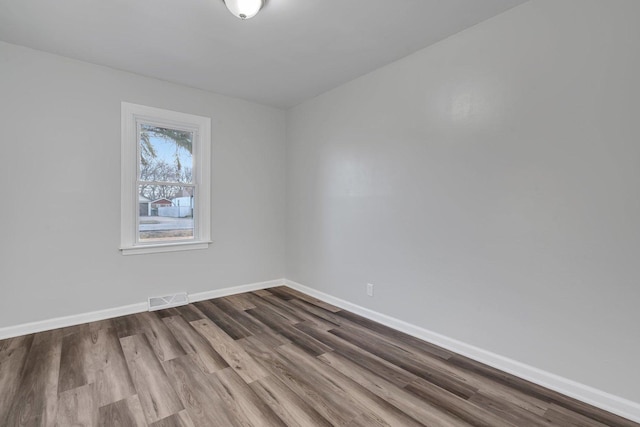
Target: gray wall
[(488, 186), (60, 133)]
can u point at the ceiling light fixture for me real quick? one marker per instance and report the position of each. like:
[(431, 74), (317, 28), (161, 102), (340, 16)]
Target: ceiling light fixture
[(244, 9)]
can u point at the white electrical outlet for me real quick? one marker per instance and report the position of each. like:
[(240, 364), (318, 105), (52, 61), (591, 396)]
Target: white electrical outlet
[(369, 289)]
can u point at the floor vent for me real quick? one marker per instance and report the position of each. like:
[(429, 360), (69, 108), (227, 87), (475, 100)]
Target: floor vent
[(158, 303)]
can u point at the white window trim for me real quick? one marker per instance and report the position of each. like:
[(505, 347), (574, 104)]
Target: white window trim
[(131, 115)]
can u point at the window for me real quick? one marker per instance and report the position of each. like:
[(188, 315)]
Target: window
[(165, 180)]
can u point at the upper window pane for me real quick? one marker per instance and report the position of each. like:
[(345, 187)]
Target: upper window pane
[(166, 155)]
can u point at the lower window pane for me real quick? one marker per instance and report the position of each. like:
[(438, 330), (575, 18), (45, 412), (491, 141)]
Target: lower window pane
[(165, 213)]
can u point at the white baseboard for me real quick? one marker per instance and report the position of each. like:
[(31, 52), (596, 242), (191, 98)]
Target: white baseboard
[(587, 394), (76, 319), (109, 313)]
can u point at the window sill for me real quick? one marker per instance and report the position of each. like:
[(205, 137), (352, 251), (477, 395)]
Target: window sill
[(165, 247)]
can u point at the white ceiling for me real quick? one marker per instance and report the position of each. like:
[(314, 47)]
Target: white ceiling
[(291, 51)]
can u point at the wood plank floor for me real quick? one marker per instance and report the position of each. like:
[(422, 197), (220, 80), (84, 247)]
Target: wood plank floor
[(268, 358)]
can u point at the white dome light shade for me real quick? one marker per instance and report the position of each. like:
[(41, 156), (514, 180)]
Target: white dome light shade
[(244, 9)]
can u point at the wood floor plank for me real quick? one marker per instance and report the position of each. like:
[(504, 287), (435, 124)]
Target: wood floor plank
[(109, 372), (408, 361), (270, 318), (36, 400), (231, 352), (356, 395), (190, 313), (90, 327), (48, 337), (10, 345), (461, 408), (75, 362), (281, 292), (240, 398), (366, 420), (329, 404), (167, 312), (193, 343), (240, 302), (307, 317), (401, 399), (260, 293), (78, 407), (560, 416), (128, 325), (499, 392), (291, 409), (508, 411), (100, 324), (200, 399), (162, 341), (539, 392), (328, 316), (13, 356), (181, 419), (95, 357), (464, 383), (268, 339), (225, 322), (282, 315), (399, 338), (308, 298), (123, 413), (292, 313), (389, 371), (251, 323), (157, 396)]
